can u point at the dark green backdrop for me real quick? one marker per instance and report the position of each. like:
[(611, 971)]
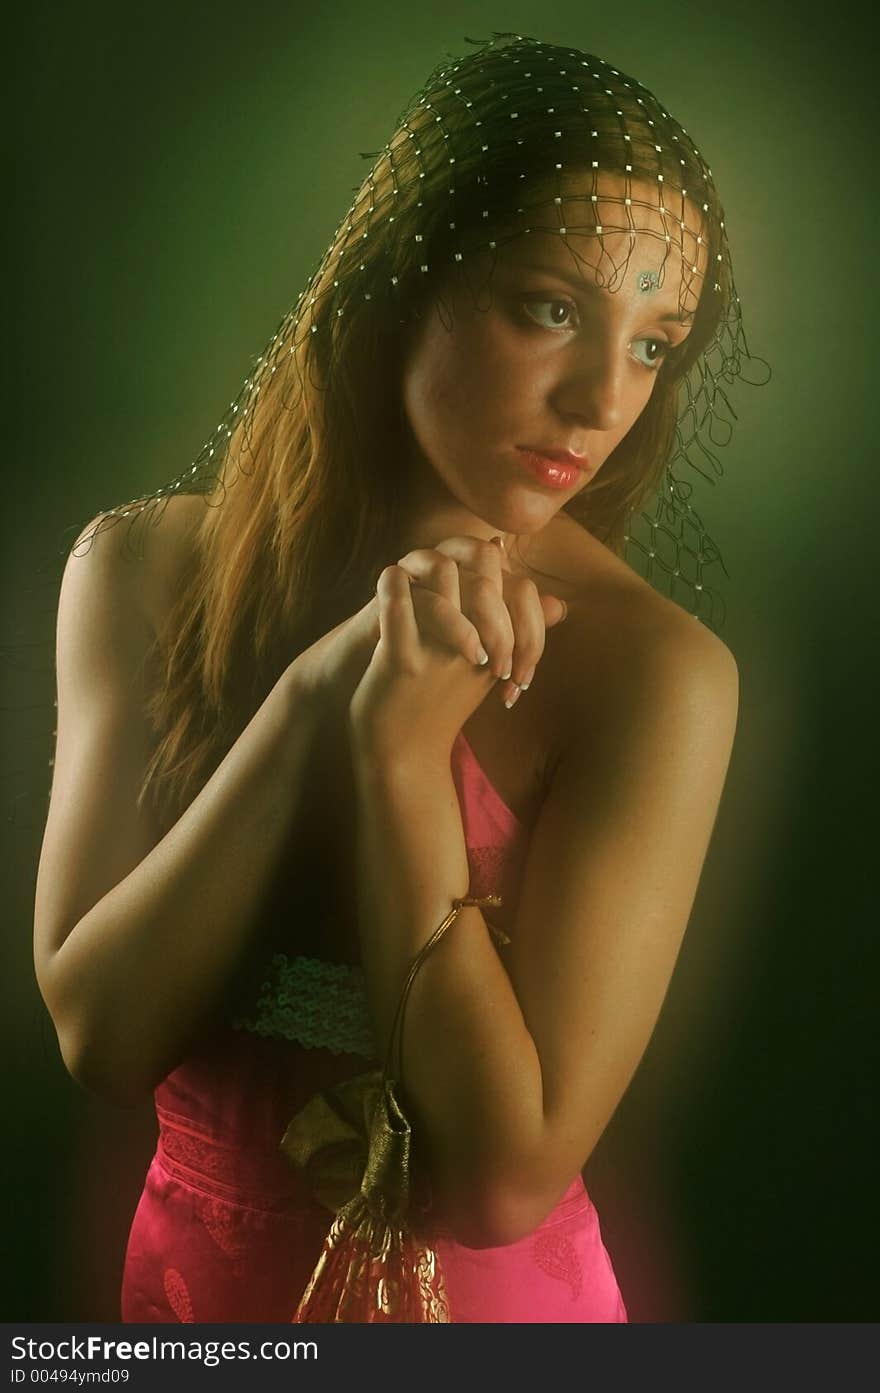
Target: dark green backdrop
[(177, 173)]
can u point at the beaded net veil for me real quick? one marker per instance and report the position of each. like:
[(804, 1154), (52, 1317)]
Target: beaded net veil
[(520, 138)]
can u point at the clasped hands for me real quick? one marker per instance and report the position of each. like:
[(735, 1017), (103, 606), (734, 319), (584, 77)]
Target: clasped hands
[(453, 620)]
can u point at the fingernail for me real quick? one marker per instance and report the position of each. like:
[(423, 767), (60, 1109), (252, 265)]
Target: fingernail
[(514, 698), (524, 686), (499, 541), (505, 676), (482, 657), (564, 611)]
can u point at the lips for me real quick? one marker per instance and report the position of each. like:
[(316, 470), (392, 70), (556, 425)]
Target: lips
[(561, 469), (557, 456)]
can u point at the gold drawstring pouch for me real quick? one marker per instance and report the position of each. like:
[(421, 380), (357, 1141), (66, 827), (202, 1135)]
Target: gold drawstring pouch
[(353, 1144)]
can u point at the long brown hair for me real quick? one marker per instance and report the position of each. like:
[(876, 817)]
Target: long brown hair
[(311, 479)]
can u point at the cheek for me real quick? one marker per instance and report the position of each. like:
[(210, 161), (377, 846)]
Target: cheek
[(431, 386), (641, 394), (449, 384), (635, 404)]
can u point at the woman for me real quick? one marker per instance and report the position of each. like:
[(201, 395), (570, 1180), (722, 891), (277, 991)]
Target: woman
[(293, 734)]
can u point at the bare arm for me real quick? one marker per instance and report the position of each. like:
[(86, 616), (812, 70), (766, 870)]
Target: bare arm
[(137, 935), (514, 1064), (139, 932)]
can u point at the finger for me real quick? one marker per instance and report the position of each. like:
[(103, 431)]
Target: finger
[(485, 607), (526, 611), (434, 570), (498, 541), (555, 610), (397, 620), (439, 620), (552, 610), (484, 558), (483, 567)]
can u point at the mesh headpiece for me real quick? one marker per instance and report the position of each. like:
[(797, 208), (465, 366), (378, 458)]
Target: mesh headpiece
[(521, 136)]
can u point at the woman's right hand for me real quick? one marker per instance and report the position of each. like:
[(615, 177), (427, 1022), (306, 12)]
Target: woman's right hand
[(329, 671), (327, 674), (509, 613)]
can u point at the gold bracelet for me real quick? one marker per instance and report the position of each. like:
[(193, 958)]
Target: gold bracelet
[(481, 902)]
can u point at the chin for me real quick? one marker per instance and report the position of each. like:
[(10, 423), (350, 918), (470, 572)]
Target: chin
[(511, 507), (524, 516)]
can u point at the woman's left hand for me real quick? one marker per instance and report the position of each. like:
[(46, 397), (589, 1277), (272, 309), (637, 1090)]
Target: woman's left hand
[(417, 691)]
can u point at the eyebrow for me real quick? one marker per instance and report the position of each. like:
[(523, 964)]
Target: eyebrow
[(580, 284)]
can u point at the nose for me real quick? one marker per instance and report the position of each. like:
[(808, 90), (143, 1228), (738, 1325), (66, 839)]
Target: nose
[(591, 387)]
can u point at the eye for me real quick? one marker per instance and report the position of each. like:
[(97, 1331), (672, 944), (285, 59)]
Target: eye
[(655, 351), (551, 314)]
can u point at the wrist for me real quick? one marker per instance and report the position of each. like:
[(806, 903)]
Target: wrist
[(378, 765), (304, 700)]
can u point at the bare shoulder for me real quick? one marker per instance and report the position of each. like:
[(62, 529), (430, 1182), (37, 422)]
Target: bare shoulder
[(623, 640), (115, 590), (143, 556)]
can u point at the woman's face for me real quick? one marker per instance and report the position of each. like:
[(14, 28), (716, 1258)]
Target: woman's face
[(549, 359)]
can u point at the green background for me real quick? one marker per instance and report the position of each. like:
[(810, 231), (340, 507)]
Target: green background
[(177, 173)]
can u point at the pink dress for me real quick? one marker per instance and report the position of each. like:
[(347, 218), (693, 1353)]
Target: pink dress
[(225, 1230)]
